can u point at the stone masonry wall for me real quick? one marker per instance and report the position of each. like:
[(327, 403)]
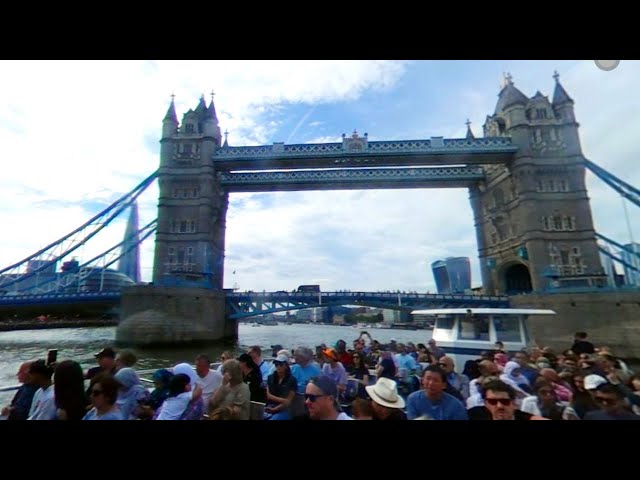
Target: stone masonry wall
[(610, 319)]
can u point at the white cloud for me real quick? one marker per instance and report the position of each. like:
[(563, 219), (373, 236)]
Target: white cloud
[(76, 134)]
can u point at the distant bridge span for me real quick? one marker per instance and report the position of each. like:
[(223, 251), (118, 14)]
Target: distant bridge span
[(251, 304)]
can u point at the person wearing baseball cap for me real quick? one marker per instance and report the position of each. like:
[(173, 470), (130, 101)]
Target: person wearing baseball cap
[(321, 394), (106, 359), (592, 382), (281, 390)]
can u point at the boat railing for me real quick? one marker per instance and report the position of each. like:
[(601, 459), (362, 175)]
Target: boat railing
[(141, 373), (9, 388)]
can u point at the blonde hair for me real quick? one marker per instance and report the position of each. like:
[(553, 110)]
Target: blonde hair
[(222, 413), (232, 367)]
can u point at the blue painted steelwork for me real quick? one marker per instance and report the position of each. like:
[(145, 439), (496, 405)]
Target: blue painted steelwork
[(620, 246), (336, 179), (64, 246), (623, 188), (58, 298), (63, 281), (249, 304), (384, 148)]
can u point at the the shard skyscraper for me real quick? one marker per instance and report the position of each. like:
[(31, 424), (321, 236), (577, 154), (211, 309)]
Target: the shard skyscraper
[(130, 262)]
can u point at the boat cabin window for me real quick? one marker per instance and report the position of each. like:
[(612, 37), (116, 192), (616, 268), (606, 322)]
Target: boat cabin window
[(475, 327), (444, 328), (445, 323), (507, 328)]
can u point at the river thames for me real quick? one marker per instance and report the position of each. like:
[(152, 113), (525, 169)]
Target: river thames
[(80, 344)]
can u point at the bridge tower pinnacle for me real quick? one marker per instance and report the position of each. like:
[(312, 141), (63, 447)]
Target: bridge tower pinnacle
[(170, 122), (533, 219)]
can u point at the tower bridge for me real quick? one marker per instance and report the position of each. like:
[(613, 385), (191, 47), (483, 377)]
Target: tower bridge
[(526, 182)]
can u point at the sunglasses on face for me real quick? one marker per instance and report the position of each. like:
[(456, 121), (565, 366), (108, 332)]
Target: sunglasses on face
[(95, 393), (501, 401), (312, 398), (279, 364), (606, 401)]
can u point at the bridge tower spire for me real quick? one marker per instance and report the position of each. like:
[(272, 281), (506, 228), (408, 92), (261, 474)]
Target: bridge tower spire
[(533, 219), (211, 127), (562, 102), (170, 122), (470, 134)]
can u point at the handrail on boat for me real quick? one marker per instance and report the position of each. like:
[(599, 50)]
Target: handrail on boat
[(10, 388), (213, 366)]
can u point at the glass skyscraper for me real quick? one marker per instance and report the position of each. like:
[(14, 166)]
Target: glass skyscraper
[(452, 275)]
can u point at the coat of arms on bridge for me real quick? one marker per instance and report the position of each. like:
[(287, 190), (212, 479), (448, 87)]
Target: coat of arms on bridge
[(354, 143)]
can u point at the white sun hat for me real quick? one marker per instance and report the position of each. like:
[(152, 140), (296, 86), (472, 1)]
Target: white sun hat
[(385, 393)]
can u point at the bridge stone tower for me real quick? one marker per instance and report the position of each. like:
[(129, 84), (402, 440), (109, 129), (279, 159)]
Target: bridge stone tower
[(192, 207), (532, 216), (185, 303)]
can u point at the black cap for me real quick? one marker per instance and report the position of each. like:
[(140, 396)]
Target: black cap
[(327, 385), (246, 358), (106, 352), (40, 367)]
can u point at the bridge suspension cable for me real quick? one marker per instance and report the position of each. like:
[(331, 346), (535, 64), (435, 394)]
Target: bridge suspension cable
[(98, 263), (623, 188), (628, 192), (621, 247), (64, 246)]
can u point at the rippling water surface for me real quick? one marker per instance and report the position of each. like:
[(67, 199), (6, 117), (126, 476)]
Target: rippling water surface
[(80, 344)]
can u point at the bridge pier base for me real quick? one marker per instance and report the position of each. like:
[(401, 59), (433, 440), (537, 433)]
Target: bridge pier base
[(154, 315), (609, 318)]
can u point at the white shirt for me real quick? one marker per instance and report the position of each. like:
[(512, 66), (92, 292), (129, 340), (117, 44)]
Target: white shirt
[(343, 416), (173, 407), (43, 405), (209, 384), (265, 368)]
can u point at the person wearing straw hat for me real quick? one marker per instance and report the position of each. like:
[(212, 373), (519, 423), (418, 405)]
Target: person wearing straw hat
[(386, 403)]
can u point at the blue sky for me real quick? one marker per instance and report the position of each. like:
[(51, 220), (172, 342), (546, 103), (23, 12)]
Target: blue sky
[(76, 135)]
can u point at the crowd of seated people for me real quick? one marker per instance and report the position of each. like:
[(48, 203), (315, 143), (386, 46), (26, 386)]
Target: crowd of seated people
[(370, 381)]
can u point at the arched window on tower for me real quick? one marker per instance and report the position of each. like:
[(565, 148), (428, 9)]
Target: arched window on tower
[(498, 197), (568, 223), (575, 260), (555, 261), (189, 128), (494, 236), (537, 136)]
